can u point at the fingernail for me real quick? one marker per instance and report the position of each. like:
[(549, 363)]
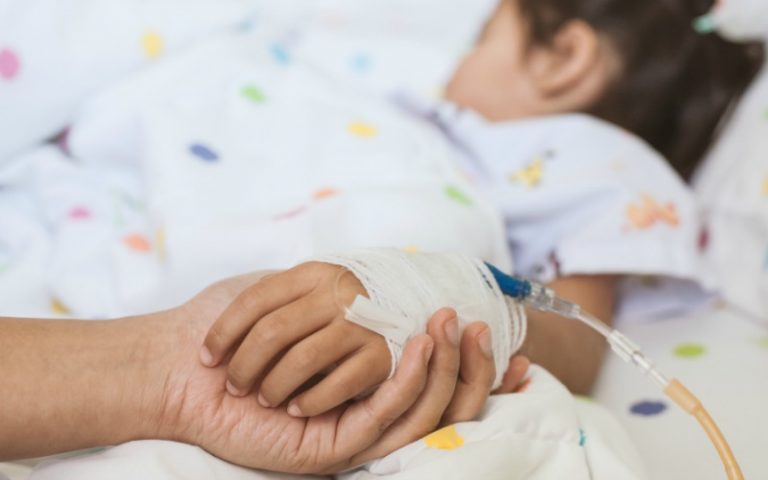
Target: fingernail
[(294, 410), (428, 353), (263, 401), (206, 357), (234, 391), (484, 339), (451, 328)]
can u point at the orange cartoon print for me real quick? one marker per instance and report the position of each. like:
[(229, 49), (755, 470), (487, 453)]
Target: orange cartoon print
[(648, 213)]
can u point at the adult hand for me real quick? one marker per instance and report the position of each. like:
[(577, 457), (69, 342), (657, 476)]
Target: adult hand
[(432, 383), (109, 382)]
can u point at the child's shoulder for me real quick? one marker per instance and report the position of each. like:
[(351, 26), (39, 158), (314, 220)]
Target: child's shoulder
[(583, 137), (583, 149)]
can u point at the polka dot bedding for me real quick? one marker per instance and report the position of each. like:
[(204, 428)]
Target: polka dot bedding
[(114, 216)]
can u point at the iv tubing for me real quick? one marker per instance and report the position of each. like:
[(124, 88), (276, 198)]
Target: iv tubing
[(543, 299)]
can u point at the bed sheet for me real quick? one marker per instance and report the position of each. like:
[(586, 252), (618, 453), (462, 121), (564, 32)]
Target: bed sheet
[(722, 356)]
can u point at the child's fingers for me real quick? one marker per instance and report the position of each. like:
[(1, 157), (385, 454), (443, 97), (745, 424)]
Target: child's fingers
[(253, 303), (311, 356), (476, 375), (274, 334), (362, 371)]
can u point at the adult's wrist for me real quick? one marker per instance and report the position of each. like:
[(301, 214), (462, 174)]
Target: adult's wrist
[(81, 384), (164, 346)]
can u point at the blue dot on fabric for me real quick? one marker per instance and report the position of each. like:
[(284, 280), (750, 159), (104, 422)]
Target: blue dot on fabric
[(203, 153), (248, 23), (582, 437), (280, 53), (648, 408), (361, 62)]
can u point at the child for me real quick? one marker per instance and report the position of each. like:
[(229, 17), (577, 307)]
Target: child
[(638, 65)]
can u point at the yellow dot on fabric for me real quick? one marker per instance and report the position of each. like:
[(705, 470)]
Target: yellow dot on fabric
[(689, 350), (137, 242), (152, 43), (445, 439), (58, 307), (763, 342), (160, 243), (765, 186), (362, 130), (530, 175), (411, 249)]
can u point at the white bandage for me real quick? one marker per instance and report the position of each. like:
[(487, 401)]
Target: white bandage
[(406, 289)]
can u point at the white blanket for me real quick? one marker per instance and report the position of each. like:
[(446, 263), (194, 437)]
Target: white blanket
[(541, 433)]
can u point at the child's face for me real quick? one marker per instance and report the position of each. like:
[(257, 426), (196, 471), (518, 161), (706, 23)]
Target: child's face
[(507, 76), (492, 79)]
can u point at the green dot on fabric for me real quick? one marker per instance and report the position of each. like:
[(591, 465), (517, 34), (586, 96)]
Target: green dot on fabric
[(457, 195), (763, 342), (253, 93), (690, 350)]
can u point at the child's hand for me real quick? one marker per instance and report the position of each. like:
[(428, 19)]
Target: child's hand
[(288, 328)]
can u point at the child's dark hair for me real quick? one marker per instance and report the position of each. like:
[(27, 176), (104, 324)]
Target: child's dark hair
[(676, 84)]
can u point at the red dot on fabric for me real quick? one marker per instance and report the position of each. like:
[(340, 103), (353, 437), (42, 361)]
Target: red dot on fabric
[(704, 239), (79, 213), (290, 214), (9, 64)]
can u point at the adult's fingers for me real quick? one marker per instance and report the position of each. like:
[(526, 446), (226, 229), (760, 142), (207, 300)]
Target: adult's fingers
[(274, 334), (364, 422), (425, 414), (252, 304), (476, 375), (516, 371)]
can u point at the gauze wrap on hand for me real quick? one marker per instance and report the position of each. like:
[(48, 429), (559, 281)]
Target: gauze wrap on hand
[(406, 289)]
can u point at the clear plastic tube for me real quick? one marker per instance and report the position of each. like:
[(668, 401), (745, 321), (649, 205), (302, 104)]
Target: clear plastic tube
[(544, 299)]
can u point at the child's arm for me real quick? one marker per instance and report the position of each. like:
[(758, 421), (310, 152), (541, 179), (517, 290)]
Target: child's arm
[(567, 348)]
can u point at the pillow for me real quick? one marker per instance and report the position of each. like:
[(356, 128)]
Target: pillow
[(733, 189)]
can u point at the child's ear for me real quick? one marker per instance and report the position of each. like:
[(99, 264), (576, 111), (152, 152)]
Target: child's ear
[(571, 72)]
